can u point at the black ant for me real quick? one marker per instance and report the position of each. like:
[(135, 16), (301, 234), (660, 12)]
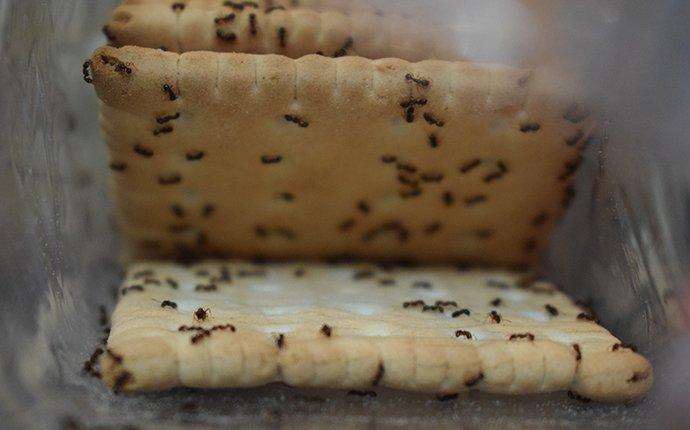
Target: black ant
[(163, 130), (446, 303), (387, 281), (222, 19), (413, 303), (108, 34), (552, 310), (226, 37), (200, 336), (639, 376), (473, 381), (103, 315), (271, 159), (495, 317), (85, 72), (578, 353), (621, 345), (195, 155), (326, 330), (125, 290), (419, 81), (379, 375), (460, 312), (281, 36), (201, 314), (465, 333), (143, 274), (170, 179), (576, 113), (573, 395), (209, 287), (530, 127), (224, 327), (585, 316), (166, 118), (116, 357), (190, 328), (343, 50), (122, 379), (252, 23), (446, 397), (363, 274), (168, 89), (297, 120), (433, 120), (517, 336)]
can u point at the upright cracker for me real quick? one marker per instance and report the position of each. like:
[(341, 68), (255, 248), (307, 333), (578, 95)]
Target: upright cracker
[(359, 326), (246, 155), (269, 28)]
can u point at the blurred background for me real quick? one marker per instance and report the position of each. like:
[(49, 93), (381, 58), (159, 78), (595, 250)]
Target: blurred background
[(623, 246)]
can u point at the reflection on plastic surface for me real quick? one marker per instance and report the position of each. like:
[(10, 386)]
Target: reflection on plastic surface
[(624, 244)]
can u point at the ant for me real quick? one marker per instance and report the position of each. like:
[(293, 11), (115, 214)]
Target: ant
[(85, 72), (552, 310), (446, 397), (460, 312), (517, 336), (419, 81), (465, 333), (475, 380), (379, 375), (446, 303), (169, 304), (578, 353), (200, 335), (201, 314), (168, 89), (621, 345)]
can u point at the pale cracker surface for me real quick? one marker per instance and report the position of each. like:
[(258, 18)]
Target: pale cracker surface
[(348, 326)]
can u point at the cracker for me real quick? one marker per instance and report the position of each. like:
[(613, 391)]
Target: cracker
[(247, 155), (278, 27), (357, 327)]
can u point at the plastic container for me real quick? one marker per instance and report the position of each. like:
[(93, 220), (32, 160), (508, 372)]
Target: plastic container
[(623, 244)]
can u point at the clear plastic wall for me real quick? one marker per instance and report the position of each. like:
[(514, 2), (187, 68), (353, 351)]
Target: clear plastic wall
[(623, 245)]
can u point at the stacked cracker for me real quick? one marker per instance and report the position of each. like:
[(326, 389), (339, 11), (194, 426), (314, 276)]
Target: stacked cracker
[(332, 155)]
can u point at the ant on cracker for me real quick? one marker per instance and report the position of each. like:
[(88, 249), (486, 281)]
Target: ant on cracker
[(201, 314), (166, 303), (419, 81)]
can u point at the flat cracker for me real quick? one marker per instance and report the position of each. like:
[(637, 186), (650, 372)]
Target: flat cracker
[(270, 28), (358, 327), (246, 155)]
